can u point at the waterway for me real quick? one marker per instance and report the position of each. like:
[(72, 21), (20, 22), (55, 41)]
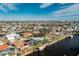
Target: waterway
[(66, 47)]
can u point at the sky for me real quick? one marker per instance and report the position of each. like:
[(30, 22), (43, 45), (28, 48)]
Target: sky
[(39, 11)]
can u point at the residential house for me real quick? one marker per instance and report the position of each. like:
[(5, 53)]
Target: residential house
[(12, 37), (3, 46), (26, 34)]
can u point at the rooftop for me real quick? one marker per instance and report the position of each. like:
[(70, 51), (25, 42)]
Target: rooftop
[(3, 47)]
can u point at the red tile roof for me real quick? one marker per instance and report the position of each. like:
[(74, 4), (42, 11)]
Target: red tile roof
[(3, 47)]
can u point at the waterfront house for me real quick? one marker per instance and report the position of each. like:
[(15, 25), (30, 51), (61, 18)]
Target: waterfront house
[(37, 38)]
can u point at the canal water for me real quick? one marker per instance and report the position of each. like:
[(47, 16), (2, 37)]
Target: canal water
[(66, 47)]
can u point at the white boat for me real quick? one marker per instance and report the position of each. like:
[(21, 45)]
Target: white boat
[(71, 36)]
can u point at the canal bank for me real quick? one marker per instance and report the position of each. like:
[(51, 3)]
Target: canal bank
[(67, 47), (43, 50)]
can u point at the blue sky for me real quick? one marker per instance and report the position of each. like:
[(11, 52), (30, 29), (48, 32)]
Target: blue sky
[(39, 11)]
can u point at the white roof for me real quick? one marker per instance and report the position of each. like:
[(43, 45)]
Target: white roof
[(12, 37), (37, 38)]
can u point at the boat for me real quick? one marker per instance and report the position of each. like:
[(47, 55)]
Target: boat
[(71, 36)]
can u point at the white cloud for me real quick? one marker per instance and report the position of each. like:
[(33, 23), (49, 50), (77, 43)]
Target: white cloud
[(44, 5), (10, 6), (73, 9), (6, 7), (3, 9), (68, 13)]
